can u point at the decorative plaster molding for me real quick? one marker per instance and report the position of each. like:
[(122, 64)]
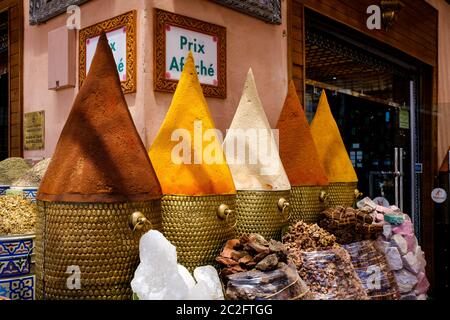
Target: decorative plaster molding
[(266, 10), (43, 10)]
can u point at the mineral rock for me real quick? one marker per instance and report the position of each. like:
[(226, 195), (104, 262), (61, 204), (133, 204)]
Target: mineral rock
[(268, 263), (208, 285), (157, 276), (400, 242), (393, 258), (405, 280), (411, 263)]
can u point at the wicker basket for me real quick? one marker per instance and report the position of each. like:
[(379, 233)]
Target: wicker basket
[(97, 239), (342, 194), (260, 212), (307, 202), (193, 226)]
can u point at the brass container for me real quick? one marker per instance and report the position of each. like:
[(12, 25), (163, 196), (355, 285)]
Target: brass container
[(90, 250), (307, 203), (343, 194), (198, 226), (263, 212)]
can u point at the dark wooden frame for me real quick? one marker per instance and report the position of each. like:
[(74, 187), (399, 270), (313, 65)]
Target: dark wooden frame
[(163, 18), (15, 65), (270, 12), (127, 20), (42, 11)]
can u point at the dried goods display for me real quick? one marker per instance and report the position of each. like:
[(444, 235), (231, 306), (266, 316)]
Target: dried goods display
[(254, 268), (251, 252), (282, 283), (12, 169), (329, 274), (351, 225), (34, 176), (308, 237), (17, 215), (372, 268)]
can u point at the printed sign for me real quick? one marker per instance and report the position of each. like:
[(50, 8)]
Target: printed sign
[(404, 119), (34, 131), (419, 168), (179, 42), (439, 195), (121, 34), (175, 36), (118, 43)]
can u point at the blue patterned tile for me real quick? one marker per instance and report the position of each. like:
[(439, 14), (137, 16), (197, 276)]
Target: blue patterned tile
[(18, 288)]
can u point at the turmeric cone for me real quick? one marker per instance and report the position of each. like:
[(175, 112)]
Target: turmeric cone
[(333, 156), (180, 154), (194, 176)]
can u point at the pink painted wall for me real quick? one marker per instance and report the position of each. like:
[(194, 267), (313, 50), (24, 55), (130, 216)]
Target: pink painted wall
[(250, 43)]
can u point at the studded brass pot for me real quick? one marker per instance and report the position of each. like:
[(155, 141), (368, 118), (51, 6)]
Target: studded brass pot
[(342, 194), (99, 240), (198, 226), (307, 202), (263, 212)]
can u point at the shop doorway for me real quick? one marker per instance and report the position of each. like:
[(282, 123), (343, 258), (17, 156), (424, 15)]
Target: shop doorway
[(372, 94), (4, 85)]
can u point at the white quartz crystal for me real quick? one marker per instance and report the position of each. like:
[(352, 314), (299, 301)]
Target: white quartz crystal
[(159, 277), (208, 285), (187, 276)]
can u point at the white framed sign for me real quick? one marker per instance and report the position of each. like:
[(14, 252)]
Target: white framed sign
[(179, 42), (175, 36), (118, 43), (121, 34)]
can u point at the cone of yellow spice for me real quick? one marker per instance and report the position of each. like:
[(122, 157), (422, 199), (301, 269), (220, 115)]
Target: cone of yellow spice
[(97, 193), (333, 156), (301, 161), (263, 187), (198, 190)]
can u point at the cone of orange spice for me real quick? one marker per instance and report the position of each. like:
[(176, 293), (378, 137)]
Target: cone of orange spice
[(301, 161)]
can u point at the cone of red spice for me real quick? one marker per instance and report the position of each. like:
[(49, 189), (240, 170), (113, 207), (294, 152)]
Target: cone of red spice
[(100, 156)]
